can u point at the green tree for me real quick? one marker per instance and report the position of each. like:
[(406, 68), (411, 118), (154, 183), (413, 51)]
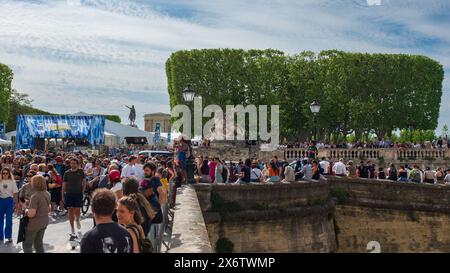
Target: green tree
[(444, 131), (360, 93), (6, 76), (114, 118), (20, 104)]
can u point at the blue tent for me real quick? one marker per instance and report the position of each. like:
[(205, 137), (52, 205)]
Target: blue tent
[(30, 127)]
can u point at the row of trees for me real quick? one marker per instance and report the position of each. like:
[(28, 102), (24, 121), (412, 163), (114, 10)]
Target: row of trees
[(6, 77), (359, 93)]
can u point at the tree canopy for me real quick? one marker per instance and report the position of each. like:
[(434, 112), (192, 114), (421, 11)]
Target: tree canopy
[(359, 93), (6, 76)]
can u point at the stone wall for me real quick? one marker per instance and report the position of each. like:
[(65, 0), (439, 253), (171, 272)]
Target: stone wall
[(189, 233), (292, 230), (396, 230), (337, 215)]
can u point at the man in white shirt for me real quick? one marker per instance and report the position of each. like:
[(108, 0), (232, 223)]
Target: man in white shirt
[(325, 165), (339, 168), (255, 174), (133, 170), (447, 178)]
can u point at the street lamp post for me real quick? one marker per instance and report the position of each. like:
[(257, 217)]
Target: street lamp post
[(188, 95), (315, 108)]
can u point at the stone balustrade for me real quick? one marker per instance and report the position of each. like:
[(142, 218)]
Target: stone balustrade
[(373, 154)]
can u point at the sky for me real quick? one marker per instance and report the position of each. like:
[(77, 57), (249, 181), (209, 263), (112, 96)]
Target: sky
[(97, 56)]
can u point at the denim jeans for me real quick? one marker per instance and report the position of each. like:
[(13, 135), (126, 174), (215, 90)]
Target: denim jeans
[(34, 238), (6, 208)]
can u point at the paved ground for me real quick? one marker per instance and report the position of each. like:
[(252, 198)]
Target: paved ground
[(56, 238)]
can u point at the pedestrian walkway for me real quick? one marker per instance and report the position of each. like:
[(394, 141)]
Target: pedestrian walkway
[(56, 239)]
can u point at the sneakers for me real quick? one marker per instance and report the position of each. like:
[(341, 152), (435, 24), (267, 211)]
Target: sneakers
[(9, 241)]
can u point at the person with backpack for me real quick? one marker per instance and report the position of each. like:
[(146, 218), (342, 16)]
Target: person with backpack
[(131, 186), (402, 174), (371, 169), (225, 172), (255, 175), (392, 172), (129, 216), (363, 170), (415, 175), (430, 176)]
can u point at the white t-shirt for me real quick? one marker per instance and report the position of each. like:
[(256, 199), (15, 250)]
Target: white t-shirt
[(133, 171), (255, 173), (447, 178), (8, 188), (339, 168), (117, 187), (87, 166), (324, 165)]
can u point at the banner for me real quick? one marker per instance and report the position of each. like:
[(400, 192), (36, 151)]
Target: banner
[(157, 138), (30, 127)]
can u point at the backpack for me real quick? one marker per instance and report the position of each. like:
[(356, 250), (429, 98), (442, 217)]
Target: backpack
[(393, 174), (363, 171), (145, 245), (415, 176)]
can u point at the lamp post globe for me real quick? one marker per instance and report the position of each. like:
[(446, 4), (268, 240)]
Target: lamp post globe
[(315, 108), (188, 94)]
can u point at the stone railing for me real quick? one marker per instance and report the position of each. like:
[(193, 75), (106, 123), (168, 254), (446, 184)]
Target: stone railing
[(373, 154), (189, 234)]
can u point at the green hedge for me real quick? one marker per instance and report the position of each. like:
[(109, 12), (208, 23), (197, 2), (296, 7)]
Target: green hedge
[(359, 92)]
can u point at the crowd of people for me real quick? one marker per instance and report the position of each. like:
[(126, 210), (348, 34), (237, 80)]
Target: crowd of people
[(129, 198), (439, 143), (214, 170), (131, 194)]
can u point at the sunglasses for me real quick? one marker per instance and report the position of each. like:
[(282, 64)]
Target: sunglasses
[(30, 175), (5, 173)]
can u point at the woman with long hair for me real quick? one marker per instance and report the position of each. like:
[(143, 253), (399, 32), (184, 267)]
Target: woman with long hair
[(274, 172), (8, 197), (315, 170), (204, 172), (54, 186), (129, 216), (6, 162)]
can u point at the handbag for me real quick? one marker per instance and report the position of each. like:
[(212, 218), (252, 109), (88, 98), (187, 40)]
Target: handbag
[(23, 223)]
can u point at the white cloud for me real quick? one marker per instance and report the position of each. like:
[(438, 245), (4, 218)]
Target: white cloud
[(68, 54), (373, 2)]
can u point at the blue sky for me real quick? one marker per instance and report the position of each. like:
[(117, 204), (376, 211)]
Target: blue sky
[(97, 56)]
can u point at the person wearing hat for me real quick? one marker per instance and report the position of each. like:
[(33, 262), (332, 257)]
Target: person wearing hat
[(115, 184), (447, 177)]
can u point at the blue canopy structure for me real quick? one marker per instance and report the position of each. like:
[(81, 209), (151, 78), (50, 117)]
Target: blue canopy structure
[(30, 127)]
